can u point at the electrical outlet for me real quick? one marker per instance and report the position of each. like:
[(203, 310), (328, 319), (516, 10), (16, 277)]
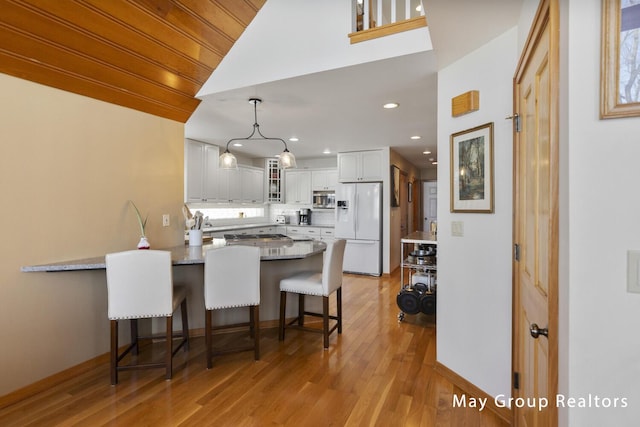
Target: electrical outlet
[(166, 220)]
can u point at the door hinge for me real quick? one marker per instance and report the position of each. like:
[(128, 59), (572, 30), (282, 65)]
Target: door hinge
[(516, 121), (516, 380), (516, 252)]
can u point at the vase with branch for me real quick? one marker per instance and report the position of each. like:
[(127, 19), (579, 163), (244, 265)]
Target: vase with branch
[(143, 243)]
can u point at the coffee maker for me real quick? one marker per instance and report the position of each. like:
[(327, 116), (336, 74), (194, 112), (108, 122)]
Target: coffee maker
[(304, 217)]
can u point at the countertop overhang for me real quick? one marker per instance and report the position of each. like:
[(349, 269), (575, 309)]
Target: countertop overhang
[(189, 255)]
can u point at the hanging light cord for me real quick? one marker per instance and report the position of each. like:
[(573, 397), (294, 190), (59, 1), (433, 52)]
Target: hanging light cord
[(256, 128)]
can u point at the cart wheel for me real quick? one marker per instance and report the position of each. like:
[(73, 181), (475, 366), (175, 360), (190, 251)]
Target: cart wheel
[(400, 317)]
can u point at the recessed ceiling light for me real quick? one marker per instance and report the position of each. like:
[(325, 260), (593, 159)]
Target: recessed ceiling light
[(416, 137), (294, 139), (391, 105), (326, 151), (431, 159), (237, 144), (426, 152), (434, 163)]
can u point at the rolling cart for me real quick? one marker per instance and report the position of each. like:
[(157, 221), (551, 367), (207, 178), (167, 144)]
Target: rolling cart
[(418, 274)]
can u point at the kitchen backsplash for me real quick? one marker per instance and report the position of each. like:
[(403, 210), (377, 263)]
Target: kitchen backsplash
[(266, 213), (318, 217)]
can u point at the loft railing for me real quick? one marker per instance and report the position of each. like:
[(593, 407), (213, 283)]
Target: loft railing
[(377, 18)]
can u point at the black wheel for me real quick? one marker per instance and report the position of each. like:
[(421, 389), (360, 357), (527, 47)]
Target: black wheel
[(408, 301), (428, 303)]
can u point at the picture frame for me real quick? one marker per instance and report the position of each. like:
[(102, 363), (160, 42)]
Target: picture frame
[(471, 170), (410, 191), (395, 186), (619, 90)]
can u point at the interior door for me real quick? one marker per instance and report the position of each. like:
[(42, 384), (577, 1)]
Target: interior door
[(535, 351), (430, 204)]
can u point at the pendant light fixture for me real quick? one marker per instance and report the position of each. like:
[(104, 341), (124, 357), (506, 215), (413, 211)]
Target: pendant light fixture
[(286, 159)]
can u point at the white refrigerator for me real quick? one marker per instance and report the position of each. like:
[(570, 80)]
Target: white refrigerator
[(359, 221)]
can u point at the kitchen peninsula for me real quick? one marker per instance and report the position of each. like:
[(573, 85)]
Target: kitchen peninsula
[(279, 259)]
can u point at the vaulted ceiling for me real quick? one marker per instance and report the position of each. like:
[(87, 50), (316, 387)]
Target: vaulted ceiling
[(149, 55)]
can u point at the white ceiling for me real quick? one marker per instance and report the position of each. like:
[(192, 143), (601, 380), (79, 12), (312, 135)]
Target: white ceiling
[(341, 109)]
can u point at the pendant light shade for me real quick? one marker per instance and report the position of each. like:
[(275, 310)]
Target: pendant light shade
[(287, 160), (228, 160)]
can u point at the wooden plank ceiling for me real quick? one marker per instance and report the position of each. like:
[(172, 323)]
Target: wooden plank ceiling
[(149, 55)]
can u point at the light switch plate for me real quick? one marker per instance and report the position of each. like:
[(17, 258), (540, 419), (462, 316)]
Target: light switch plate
[(457, 228), (166, 220), (633, 272)]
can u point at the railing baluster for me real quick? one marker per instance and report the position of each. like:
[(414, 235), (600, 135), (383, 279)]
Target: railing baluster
[(376, 13), (393, 11), (367, 14)]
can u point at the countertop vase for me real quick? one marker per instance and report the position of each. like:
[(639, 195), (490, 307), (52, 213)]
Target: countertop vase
[(143, 243)]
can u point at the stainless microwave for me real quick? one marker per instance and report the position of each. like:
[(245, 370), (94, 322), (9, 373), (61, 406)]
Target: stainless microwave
[(324, 199)]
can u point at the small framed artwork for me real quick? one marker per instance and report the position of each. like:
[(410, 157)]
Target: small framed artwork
[(620, 72), (472, 170), (395, 186)]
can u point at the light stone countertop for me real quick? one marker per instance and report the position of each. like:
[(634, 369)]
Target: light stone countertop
[(186, 255), (232, 227)]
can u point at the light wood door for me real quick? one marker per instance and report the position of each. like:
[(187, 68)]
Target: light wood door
[(536, 221)]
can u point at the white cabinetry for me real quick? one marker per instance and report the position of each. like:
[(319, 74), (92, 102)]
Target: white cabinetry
[(317, 233), (251, 183), (242, 185), (201, 170), (304, 232), (327, 234), (274, 181), (324, 180), (360, 166), (229, 189), (298, 187)]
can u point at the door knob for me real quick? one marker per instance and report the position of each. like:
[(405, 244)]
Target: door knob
[(535, 331)]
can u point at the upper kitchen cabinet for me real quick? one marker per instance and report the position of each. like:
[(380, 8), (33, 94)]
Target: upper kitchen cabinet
[(324, 180), (242, 185), (201, 170), (360, 166), (298, 187), (229, 190), (252, 184), (274, 181)]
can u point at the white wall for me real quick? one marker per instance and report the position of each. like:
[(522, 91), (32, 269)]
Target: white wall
[(602, 212), (290, 38), (474, 271)]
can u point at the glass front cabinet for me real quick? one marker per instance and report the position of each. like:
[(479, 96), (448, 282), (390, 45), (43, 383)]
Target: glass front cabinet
[(274, 181)]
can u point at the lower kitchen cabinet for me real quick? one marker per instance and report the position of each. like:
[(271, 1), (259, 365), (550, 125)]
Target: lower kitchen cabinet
[(317, 233)]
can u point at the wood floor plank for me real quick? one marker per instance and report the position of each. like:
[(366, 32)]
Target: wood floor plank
[(378, 372)]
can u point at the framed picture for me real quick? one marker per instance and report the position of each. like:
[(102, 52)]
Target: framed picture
[(410, 191), (395, 186), (620, 59), (472, 170)]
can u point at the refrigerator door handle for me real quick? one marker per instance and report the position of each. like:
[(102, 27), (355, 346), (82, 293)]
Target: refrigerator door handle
[(355, 217)]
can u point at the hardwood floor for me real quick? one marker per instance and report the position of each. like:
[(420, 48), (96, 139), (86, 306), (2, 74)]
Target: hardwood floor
[(378, 372)]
